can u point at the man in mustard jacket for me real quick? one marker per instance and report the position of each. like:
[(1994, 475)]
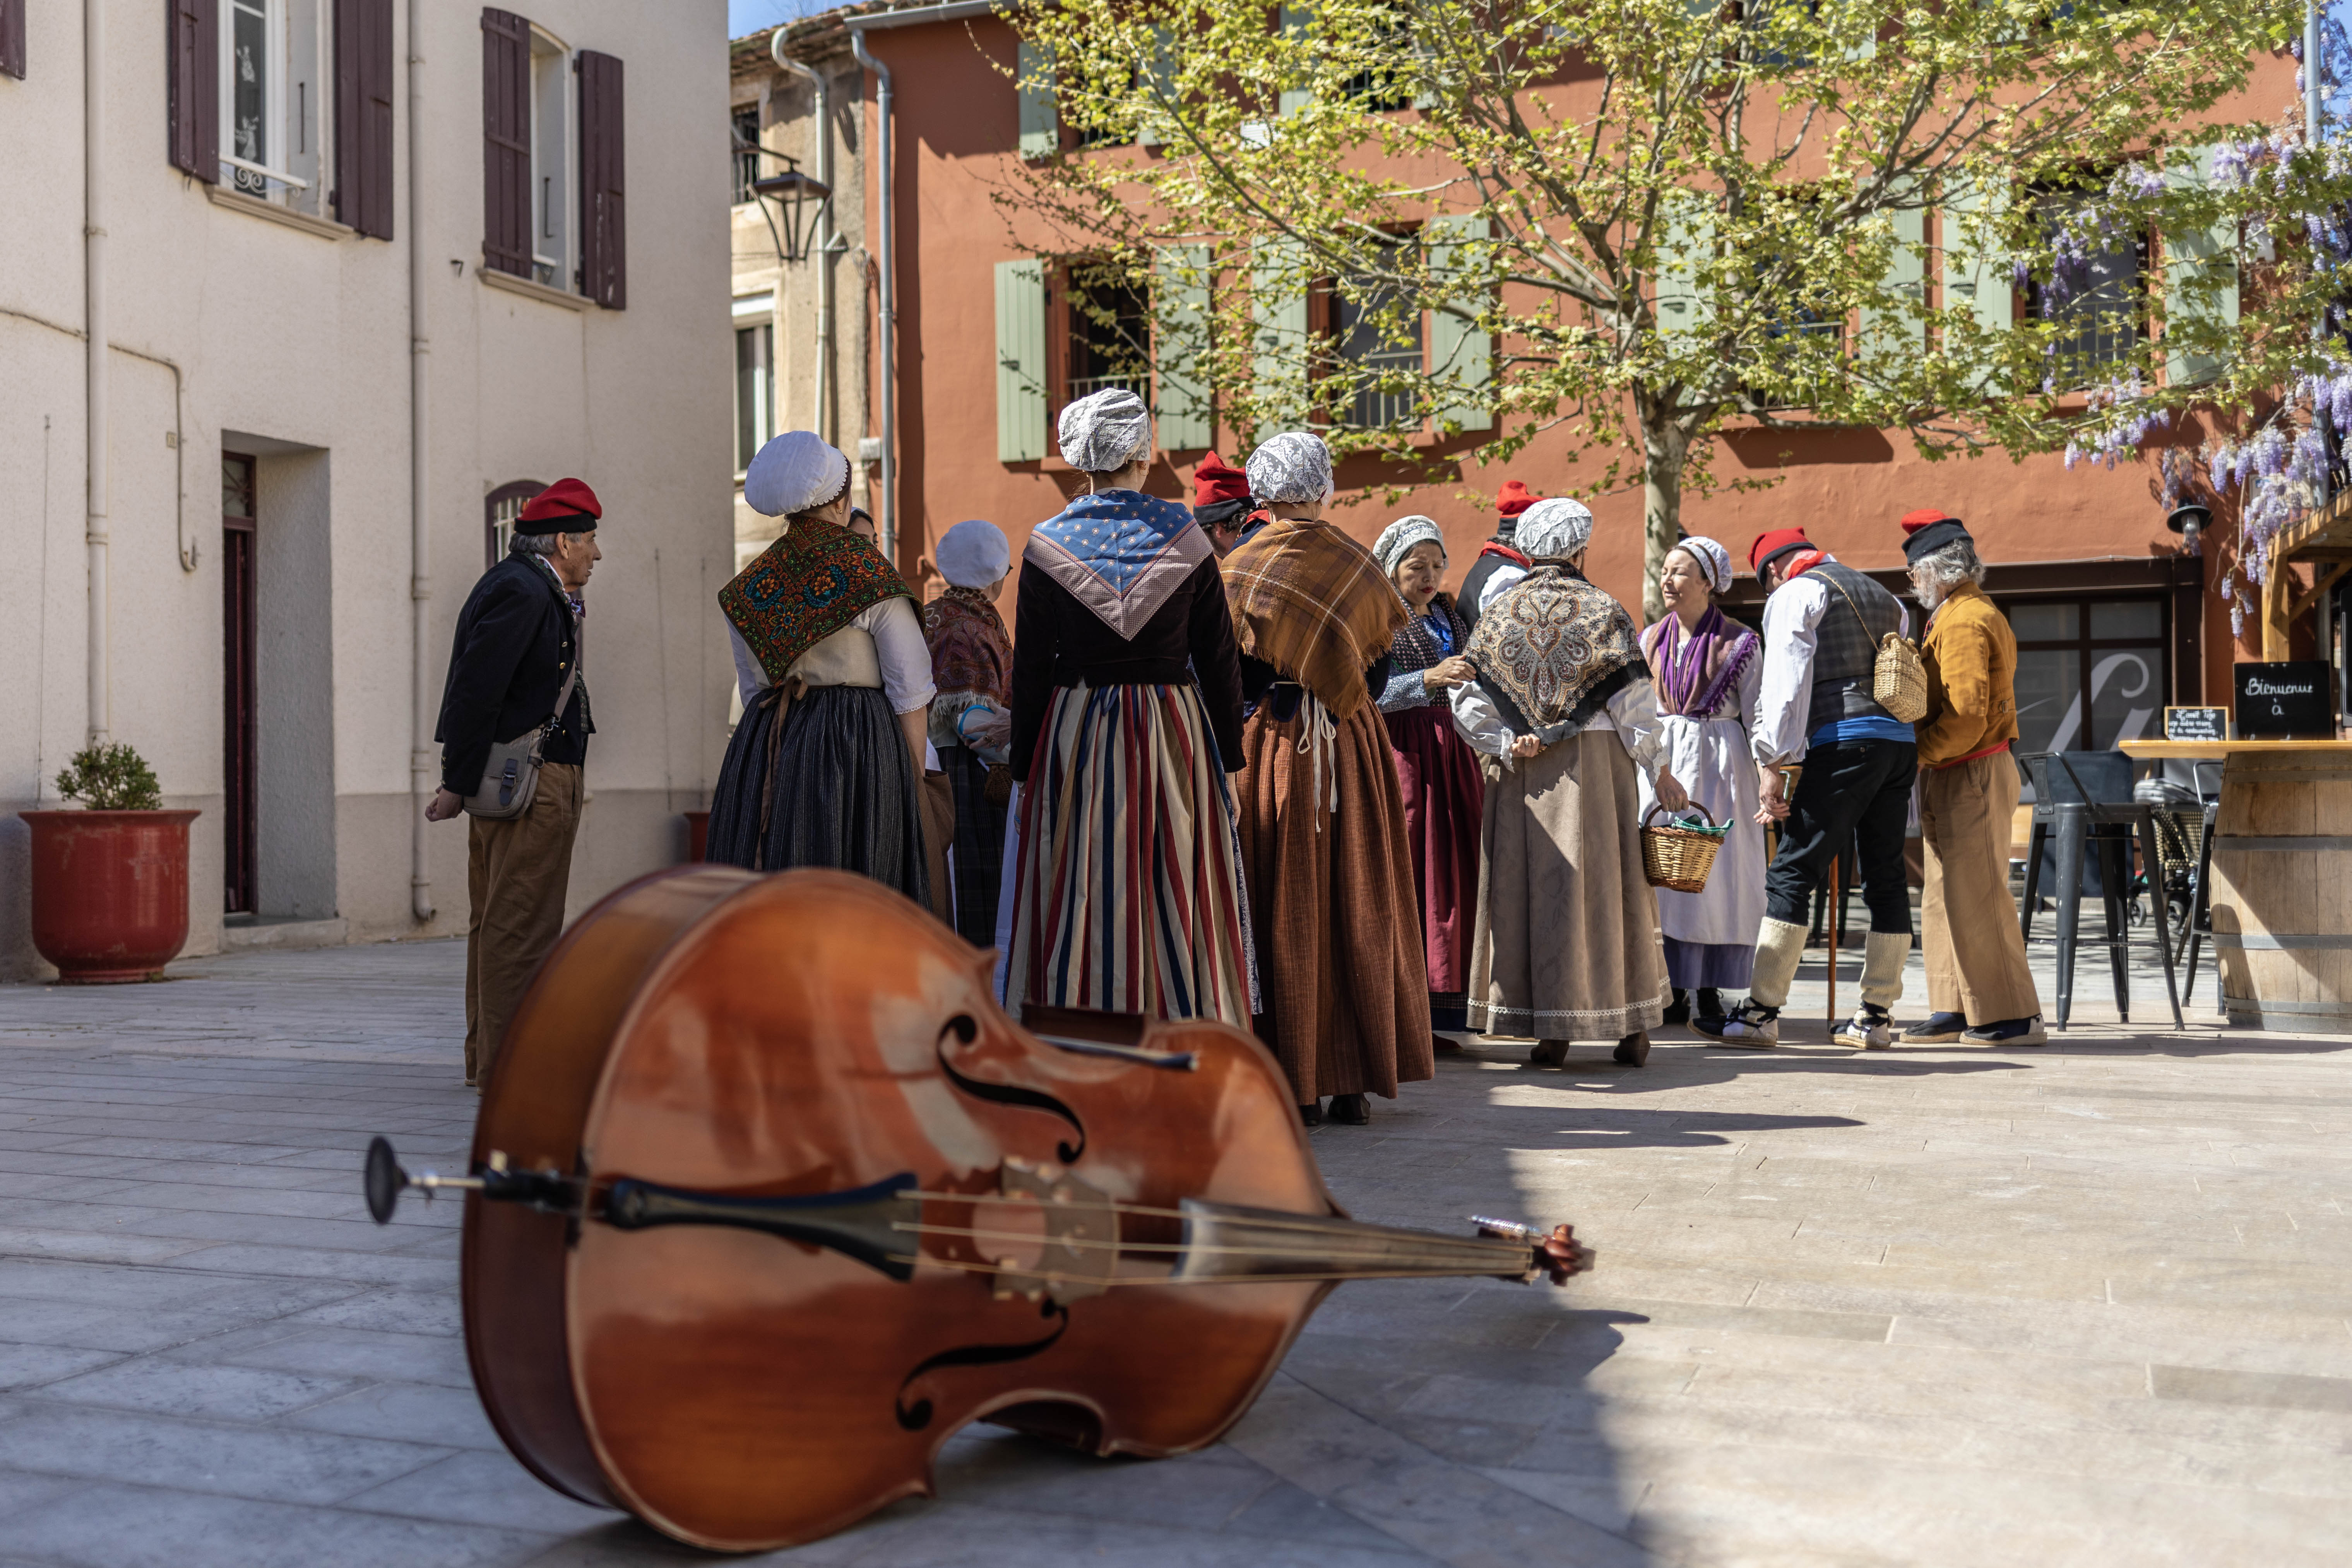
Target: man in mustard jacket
[(1977, 973)]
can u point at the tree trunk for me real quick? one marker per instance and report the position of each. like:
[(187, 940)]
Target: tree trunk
[(1664, 445)]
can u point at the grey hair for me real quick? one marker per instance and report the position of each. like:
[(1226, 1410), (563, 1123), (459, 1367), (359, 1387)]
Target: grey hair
[(538, 543), (1950, 565)]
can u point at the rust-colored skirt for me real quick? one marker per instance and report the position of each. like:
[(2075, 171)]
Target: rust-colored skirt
[(1331, 897)]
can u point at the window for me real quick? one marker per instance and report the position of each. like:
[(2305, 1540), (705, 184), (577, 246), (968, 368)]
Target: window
[(270, 75), (2089, 672), (1106, 323), (746, 139), (501, 507), (552, 138), (553, 161), (1364, 339), (755, 391), (2095, 295)]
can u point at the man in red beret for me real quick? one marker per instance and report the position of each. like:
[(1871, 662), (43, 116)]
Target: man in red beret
[(1220, 502), (1496, 553), (518, 698), (1824, 623)]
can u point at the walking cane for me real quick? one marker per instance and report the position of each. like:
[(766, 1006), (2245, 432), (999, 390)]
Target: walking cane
[(1837, 907)]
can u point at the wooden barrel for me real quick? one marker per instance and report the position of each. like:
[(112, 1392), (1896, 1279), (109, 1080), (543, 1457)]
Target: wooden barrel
[(2283, 890)]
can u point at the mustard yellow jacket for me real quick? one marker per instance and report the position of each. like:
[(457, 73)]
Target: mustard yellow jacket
[(1971, 660)]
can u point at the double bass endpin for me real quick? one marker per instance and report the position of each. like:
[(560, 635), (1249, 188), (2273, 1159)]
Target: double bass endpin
[(384, 1181)]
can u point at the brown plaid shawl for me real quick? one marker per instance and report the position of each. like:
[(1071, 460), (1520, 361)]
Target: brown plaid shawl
[(1314, 603)]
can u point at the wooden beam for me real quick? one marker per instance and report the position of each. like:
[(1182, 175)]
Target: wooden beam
[(2326, 580)]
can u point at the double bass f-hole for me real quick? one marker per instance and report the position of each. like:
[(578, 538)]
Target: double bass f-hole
[(915, 1417), (965, 1030)]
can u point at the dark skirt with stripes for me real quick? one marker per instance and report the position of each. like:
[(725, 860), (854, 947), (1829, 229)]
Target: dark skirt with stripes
[(820, 780), (979, 865)]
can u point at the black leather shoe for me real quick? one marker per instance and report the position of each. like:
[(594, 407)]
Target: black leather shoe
[(1709, 1004), (1678, 1011), (1350, 1110), (1311, 1113)]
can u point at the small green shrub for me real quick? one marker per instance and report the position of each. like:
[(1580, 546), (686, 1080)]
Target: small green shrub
[(111, 778)]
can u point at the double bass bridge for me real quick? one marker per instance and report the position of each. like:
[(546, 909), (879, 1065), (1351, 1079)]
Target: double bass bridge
[(1063, 1235)]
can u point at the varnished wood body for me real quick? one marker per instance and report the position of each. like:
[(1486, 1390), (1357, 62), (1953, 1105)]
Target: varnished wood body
[(2282, 899), (802, 1034)]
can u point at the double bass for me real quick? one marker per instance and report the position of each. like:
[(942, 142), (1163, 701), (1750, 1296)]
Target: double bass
[(768, 1197)]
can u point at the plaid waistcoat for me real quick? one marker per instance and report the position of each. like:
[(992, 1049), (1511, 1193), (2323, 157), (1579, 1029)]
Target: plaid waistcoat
[(1845, 645)]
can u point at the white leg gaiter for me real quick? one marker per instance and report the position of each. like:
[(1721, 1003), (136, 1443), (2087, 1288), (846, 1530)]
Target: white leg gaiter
[(1778, 945), (1882, 967)]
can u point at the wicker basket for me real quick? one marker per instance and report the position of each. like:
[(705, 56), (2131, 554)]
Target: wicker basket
[(1678, 856)]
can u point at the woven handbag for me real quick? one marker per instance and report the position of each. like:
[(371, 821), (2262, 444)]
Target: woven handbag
[(1678, 855), (1898, 679)]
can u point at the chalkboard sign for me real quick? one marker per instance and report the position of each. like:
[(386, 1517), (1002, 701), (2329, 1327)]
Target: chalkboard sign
[(2197, 724), (2278, 699)]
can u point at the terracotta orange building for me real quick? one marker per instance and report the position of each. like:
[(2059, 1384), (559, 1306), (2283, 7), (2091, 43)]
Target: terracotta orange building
[(2114, 620)]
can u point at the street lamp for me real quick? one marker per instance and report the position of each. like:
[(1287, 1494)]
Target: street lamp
[(801, 199), (2189, 521)]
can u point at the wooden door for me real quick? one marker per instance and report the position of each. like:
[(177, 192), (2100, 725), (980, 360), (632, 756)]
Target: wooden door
[(240, 754)]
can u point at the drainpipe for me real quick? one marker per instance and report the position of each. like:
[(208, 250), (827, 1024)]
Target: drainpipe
[(423, 776), (94, 392), (886, 260), (823, 114)]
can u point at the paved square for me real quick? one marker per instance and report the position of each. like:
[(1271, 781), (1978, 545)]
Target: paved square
[(2086, 1305)]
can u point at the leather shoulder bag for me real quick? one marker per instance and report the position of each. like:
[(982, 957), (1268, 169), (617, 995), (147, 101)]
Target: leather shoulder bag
[(510, 777)]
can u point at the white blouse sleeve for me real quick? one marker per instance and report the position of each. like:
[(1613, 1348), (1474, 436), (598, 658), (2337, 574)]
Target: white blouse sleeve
[(1480, 721), (1634, 713), (900, 648), (1505, 577), (749, 678)]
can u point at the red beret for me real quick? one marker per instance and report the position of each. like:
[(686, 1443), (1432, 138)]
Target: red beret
[(1913, 521), (1513, 498), (1775, 544), (567, 506), (1212, 482)]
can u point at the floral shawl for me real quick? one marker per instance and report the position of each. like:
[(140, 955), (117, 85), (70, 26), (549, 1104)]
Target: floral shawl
[(1314, 603), (970, 652), (1553, 648), (1694, 673), (803, 588), (1418, 645)]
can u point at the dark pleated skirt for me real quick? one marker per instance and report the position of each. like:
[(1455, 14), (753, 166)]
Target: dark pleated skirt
[(1437, 773), (979, 865), (837, 787)]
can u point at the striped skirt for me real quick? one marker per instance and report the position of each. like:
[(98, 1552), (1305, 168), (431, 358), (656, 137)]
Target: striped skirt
[(1128, 895)]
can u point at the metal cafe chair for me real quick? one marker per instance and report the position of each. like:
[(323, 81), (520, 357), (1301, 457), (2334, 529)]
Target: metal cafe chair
[(2071, 818)]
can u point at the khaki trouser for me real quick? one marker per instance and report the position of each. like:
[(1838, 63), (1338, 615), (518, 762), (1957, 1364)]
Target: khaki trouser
[(1976, 954), (517, 873)]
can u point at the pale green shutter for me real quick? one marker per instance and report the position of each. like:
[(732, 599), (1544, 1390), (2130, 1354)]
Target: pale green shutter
[(1887, 331), (1041, 120), (1161, 71), (1976, 273), (1294, 23), (1279, 325), (1458, 345), (1020, 361), (1686, 239), (1179, 347), (2207, 258)]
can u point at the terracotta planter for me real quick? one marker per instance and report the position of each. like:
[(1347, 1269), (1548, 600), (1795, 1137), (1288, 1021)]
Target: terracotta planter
[(110, 892)]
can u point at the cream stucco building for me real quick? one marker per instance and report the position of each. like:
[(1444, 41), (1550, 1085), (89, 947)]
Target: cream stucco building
[(364, 272)]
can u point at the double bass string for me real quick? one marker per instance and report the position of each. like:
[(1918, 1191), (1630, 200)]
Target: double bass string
[(1324, 1226), (1051, 1275), (1087, 1244)]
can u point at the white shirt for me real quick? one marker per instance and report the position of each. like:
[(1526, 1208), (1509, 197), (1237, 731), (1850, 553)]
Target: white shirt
[(899, 648), (1507, 576), (1792, 619), (1631, 713)]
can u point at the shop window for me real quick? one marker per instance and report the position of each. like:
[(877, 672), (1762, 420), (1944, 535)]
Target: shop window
[(2090, 673)]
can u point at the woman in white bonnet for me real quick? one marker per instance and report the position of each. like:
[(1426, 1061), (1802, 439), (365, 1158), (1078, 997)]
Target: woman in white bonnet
[(972, 717), (1707, 670), (826, 766)]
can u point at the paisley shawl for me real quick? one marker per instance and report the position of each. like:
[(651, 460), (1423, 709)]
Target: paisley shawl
[(803, 588), (970, 651), (1553, 648)]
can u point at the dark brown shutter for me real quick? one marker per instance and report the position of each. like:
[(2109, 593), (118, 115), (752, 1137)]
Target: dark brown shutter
[(191, 87), (603, 231), (12, 38), (363, 115), (506, 143)]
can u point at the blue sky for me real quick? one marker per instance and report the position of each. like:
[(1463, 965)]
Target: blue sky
[(751, 16)]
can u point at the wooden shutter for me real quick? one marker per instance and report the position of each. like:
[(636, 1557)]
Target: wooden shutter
[(1179, 347), (1892, 331), (191, 87), (1458, 345), (1020, 361), (1041, 120), (1975, 272), (2201, 275), (12, 38), (1685, 244), (363, 115), (506, 143), (1279, 329), (603, 212)]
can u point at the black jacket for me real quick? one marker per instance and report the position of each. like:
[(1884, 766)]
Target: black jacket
[(513, 648)]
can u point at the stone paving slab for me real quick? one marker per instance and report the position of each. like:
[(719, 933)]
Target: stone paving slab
[(2081, 1305)]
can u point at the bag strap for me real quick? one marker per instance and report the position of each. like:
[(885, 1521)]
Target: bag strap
[(1854, 607), (563, 697)]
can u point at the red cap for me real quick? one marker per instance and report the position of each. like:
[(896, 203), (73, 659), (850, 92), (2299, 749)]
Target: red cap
[(1775, 544), (1513, 498), (1212, 482), (567, 506), (1913, 521)]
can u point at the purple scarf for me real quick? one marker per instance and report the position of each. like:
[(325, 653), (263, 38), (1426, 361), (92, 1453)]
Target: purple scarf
[(1693, 673)]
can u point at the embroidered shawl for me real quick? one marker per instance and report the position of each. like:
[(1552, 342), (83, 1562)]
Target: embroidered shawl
[(1694, 673), (803, 588), (1314, 603), (1417, 644), (1554, 647), (970, 652), (1120, 553)]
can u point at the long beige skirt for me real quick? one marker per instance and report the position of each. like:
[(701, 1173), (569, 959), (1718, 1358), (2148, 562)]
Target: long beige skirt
[(1568, 945)]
